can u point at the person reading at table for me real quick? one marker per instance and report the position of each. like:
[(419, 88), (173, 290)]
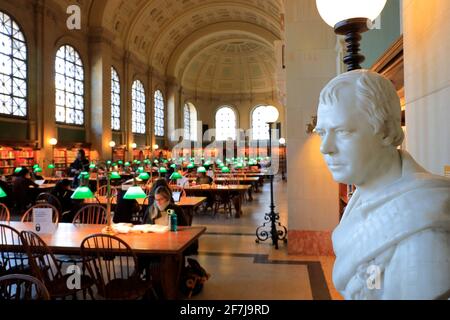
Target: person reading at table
[(157, 213), (202, 178), (21, 190)]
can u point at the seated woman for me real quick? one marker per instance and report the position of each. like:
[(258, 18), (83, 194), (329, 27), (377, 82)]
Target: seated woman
[(161, 182), (157, 213), (202, 178)]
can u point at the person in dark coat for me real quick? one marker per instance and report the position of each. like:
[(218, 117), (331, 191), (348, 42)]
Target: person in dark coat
[(21, 190), (79, 165)]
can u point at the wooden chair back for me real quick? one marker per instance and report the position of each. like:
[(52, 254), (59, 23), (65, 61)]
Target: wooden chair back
[(19, 287), (4, 213), (46, 197), (12, 260), (28, 215), (91, 214)]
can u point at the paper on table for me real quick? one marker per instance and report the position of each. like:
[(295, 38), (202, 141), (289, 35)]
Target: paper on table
[(43, 220), (39, 182), (146, 228)]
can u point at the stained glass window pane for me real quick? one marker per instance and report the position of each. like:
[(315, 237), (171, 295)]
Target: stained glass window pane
[(225, 124), (115, 100), (159, 114), (138, 107), (13, 68), (69, 84)]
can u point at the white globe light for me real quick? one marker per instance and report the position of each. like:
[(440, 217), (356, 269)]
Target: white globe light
[(133, 145), (334, 11), (53, 142), (271, 114), (155, 147), (282, 141), (112, 144)]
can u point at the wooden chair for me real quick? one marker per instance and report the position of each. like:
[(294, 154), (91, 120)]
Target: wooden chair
[(46, 268), (4, 213), (113, 266), (91, 214), (46, 197), (103, 190), (28, 215), (19, 287), (12, 260)]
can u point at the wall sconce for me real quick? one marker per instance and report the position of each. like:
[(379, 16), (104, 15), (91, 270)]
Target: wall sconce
[(351, 18), (282, 141), (312, 125), (53, 141), (133, 145), (112, 144)]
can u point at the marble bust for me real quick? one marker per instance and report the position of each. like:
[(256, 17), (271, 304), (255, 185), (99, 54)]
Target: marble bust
[(393, 241)]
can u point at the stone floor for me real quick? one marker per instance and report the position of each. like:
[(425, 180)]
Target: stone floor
[(240, 268)]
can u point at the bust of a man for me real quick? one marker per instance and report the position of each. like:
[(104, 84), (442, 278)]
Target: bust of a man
[(393, 241)]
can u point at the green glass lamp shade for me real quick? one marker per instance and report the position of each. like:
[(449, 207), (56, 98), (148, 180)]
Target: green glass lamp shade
[(92, 166), (239, 166), (165, 161), (156, 161), (35, 166), (140, 169), (108, 162), (207, 163), (144, 176), (37, 170), (115, 175), (84, 175), (127, 164), (2, 193), (18, 170), (162, 170), (51, 166), (114, 164), (173, 166), (176, 176), (190, 166), (138, 162), (225, 169), (201, 170), (120, 162), (135, 192), (135, 161), (82, 192)]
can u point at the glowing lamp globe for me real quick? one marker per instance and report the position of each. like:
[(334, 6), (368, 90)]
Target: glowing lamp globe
[(335, 11), (201, 170), (163, 170), (135, 192), (51, 166), (115, 175), (144, 176), (176, 176), (173, 166), (225, 170), (272, 114)]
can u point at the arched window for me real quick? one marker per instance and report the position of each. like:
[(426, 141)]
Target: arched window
[(138, 107), (159, 114), (69, 83), (225, 123), (13, 68), (260, 129), (190, 122), (115, 100)]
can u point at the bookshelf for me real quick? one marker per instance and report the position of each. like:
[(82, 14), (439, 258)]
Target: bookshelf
[(118, 154), (11, 158)]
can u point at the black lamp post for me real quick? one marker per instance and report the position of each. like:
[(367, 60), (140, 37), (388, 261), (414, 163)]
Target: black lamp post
[(350, 18), (272, 228)]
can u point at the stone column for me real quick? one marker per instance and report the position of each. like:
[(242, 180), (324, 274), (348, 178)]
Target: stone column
[(100, 108), (173, 109)]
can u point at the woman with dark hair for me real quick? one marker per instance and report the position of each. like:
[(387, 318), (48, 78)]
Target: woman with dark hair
[(79, 165), (161, 182), (21, 190)]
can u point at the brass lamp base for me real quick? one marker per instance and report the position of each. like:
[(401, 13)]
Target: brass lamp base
[(109, 230)]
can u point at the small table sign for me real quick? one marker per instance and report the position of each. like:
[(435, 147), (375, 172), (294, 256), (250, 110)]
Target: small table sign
[(43, 220)]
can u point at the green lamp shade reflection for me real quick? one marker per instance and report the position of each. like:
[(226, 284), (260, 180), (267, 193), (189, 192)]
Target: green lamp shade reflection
[(51, 166), (225, 170), (115, 175), (144, 176), (135, 192), (82, 192), (201, 170), (162, 170), (176, 176), (2, 193)]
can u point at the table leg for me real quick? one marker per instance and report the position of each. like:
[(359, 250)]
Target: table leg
[(171, 266), (250, 195), (237, 201)]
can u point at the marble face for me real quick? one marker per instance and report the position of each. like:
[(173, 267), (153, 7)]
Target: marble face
[(350, 146)]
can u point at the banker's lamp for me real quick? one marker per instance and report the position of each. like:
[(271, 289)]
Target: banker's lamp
[(2, 193), (350, 18)]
